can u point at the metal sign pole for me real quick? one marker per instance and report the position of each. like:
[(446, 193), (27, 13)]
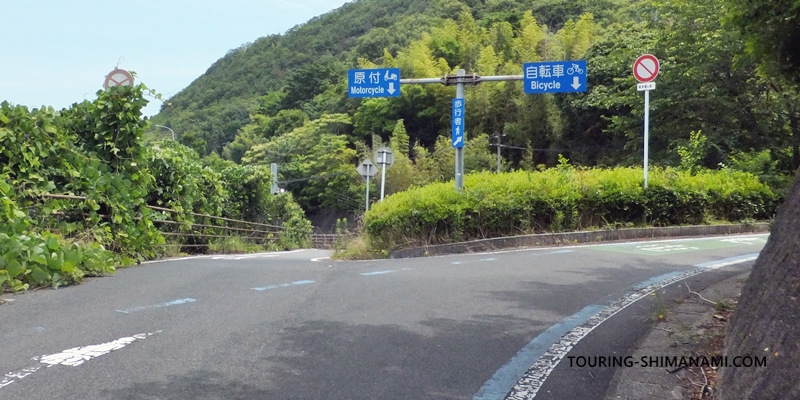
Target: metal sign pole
[(383, 179), (460, 150), (646, 128), (367, 201)]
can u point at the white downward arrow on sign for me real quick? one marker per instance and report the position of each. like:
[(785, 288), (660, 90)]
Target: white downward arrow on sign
[(575, 83), (391, 88)]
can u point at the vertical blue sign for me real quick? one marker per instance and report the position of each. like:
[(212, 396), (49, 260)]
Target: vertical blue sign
[(377, 82), (555, 77), (457, 123)]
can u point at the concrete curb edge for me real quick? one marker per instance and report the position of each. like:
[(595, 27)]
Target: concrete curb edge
[(552, 239)]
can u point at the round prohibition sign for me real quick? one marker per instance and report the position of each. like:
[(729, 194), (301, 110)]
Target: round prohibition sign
[(118, 77), (646, 68)]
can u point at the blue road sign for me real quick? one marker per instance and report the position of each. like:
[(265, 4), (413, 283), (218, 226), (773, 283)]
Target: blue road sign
[(378, 82), (555, 77), (457, 123)]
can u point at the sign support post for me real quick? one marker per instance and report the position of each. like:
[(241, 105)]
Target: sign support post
[(366, 170), (646, 133), (460, 149), (366, 207), (539, 78), (383, 180), (385, 159), (645, 69)]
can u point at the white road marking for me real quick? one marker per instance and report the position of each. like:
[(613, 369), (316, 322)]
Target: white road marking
[(527, 387), (72, 357)]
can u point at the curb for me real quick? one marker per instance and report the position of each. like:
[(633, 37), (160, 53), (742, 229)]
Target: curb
[(551, 239)]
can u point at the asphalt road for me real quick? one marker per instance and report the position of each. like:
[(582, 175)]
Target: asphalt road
[(295, 325)]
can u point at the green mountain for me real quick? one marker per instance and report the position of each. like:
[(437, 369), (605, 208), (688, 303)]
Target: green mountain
[(311, 57), (283, 99)]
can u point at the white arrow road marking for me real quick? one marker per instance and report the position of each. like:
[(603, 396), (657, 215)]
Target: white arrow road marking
[(73, 357), (576, 82)]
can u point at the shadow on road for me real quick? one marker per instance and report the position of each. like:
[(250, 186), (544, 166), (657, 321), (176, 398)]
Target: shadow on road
[(195, 385), (445, 359)]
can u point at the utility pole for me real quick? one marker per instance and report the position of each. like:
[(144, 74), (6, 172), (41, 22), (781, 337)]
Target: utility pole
[(499, 145), (274, 169)]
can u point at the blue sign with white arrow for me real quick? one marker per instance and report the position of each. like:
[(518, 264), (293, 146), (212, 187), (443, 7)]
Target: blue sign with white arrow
[(457, 123), (377, 82), (555, 77)]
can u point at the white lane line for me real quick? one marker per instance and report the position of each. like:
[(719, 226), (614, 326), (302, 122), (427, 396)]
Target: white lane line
[(72, 357), (580, 246), (161, 305), (530, 383), (282, 285), (225, 257), (320, 258)]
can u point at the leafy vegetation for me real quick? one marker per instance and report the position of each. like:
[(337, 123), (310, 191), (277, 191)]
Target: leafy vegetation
[(564, 198), (283, 98), (76, 186)]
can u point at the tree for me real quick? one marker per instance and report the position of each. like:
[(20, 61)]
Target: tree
[(400, 176), (772, 33), (767, 319)]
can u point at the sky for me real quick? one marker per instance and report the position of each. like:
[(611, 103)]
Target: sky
[(58, 52)]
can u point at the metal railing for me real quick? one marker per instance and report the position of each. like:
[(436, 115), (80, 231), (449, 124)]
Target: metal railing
[(196, 233)]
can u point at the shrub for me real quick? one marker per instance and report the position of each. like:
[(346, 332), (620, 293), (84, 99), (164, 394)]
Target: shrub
[(563, 199)]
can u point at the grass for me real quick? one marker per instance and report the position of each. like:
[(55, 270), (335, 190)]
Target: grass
[(357, 248), (234, 245)]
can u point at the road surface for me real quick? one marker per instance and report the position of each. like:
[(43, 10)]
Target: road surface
[(295, 325)]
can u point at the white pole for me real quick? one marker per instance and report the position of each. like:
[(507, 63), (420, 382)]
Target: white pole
[(367, 204), (383, 176), (646, 128)]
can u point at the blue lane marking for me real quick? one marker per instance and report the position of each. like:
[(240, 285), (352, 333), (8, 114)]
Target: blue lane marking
[(383, 272), (505, 379), (456, 263), (283, 285), (167, 304), (657, 279), (507, 376)]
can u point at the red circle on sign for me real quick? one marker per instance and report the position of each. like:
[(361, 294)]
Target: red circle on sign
[(118, 77), (646, 67)]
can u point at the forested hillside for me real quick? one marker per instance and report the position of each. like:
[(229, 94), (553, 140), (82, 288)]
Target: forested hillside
[(283, 98)]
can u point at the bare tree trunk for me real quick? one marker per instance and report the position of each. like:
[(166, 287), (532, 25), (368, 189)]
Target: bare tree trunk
[(766, 322)]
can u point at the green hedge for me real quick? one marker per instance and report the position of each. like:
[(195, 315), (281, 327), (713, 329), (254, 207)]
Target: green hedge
[(563, 199)]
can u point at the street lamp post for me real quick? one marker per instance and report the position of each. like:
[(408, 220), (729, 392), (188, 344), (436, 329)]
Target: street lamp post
[(168, 128)]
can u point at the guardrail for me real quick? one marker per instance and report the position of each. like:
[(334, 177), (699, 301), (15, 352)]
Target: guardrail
[(195, 234), (325, 240)]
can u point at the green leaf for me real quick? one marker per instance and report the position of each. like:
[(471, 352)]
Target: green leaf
[(52, 244), (39, 259), (15, 268), (72, 258), (40, 275), (55, 262)]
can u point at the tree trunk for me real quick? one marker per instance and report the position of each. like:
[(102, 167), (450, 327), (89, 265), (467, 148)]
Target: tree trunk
[(766, 322), (793, 122)]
